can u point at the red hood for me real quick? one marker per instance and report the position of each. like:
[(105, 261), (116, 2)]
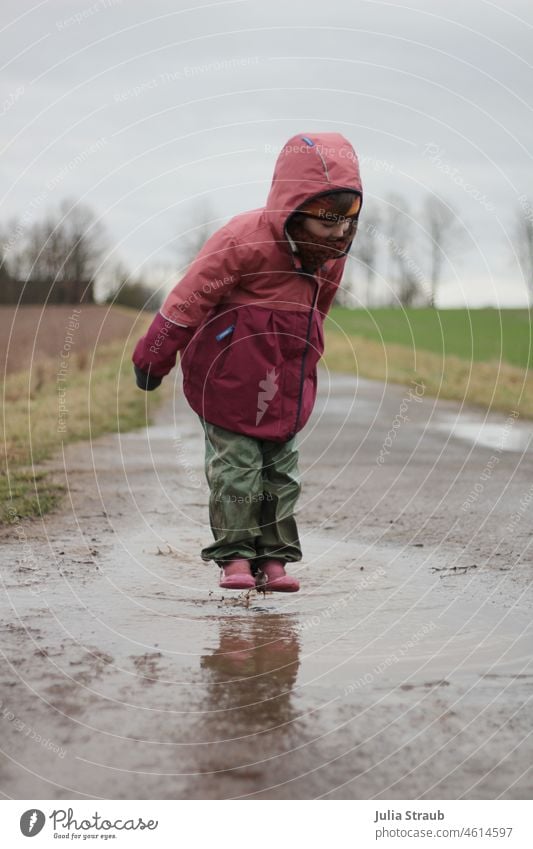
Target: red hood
[(310, 164)]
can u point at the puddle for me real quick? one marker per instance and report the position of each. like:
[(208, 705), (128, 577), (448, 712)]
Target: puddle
[(360, 608), (508, 435), (387, 674)]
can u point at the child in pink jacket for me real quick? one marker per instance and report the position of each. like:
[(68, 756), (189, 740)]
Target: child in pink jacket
[(247, 319)]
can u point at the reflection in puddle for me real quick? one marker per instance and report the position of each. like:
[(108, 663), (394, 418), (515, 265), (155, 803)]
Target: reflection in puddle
[(252, 672)]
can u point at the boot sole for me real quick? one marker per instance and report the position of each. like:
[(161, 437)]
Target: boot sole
[(280, 586), (237, 582)]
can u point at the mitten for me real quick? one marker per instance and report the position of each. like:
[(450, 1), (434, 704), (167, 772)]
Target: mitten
[(145, 380)]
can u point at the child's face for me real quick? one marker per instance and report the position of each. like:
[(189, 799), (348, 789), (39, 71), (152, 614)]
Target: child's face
[(328, 230)]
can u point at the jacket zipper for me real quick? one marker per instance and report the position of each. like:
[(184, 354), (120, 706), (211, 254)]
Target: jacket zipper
[(304, 355), (309, 322)]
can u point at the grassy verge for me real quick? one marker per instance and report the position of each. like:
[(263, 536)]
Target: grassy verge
[(480, 335), (100, 397), (491, 385)]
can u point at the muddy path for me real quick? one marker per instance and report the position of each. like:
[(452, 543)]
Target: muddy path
[(403, 669)]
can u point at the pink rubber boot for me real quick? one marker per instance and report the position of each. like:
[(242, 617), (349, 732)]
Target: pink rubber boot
[(237, 575), (272, 576)]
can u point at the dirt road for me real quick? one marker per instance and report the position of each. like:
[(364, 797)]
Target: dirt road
[(403, 669)]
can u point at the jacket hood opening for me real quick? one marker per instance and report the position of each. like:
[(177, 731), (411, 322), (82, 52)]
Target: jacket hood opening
[(307, 167)]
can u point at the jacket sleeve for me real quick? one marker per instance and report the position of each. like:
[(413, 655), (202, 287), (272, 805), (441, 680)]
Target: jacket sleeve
[(214, 272), (211, 275), (155, 352)]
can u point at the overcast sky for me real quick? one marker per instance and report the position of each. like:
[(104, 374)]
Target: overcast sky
[(141, 109)]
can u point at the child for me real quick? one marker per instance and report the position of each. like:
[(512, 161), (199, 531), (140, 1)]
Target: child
[(247, 319)]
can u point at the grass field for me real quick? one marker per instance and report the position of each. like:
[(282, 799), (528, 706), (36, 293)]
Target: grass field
[(482, 357), (485, 335), (100, 396)]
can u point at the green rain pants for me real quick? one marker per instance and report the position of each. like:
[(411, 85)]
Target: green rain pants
[(254, 486)]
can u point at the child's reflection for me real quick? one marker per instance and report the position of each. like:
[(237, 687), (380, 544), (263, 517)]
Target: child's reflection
[(252, 673)]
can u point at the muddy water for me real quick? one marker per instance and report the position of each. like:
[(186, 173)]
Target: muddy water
[(401, 670)]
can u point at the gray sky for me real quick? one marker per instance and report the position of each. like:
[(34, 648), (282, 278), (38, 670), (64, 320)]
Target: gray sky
[(142, 108)]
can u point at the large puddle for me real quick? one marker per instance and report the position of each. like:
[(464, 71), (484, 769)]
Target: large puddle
[(394, 672)]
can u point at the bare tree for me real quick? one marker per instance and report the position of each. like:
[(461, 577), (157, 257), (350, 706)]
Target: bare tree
[(443, 230), (10, 233), (121, 287), (66, 246), (116, 275), (5, 276), (403, 270), (192, 238), (366, 247), (83, 241), (524, 242), (42, 252)]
